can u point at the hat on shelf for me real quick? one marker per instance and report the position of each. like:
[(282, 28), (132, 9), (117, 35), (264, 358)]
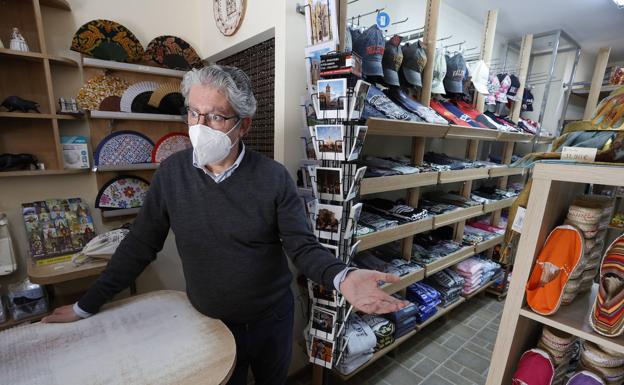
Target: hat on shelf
[(505, 82), (370, 45), (512, 92), (136, 97), (493, 87), (391, 61), (96, 89), (455, 73), (439, 72), (527, 100), (556, 262), (168, 98), (122, 192), (534, 368), (479, 75), (107, 40), (169, 145), (414, 61), (172, 52), (123, 147), (607, 315)]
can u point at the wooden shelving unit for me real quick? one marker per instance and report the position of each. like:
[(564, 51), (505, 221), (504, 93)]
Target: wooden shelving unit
[(449, 260), (126, 167), (62, 272), (9, 174), (134, 116), (554, 188), (404, 282)]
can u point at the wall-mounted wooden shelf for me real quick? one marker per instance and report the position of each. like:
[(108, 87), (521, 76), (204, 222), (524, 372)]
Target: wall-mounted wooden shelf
[(472, 133), (62, 272), (483, 246), (449, 260), (391, 127), (496, 172), (498, 205), (35, 115), (463, 175), (7, 174), (514, 137), (126, 167), (131, 67), (404, 282), (458, 215), (36, 56), (397, 182), (386, 236), (120, 213), (135, 116)]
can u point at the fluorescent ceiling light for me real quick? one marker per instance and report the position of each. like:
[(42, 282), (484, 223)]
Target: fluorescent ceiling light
[(619, 3)]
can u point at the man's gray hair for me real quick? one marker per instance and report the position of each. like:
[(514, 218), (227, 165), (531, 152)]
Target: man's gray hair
[(233, 82)]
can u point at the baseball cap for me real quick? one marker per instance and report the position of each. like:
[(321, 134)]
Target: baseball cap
[(480, 73), (414, 61), (527, 100), (493, 87), (513, 88), (370, 46), (455, 72), (505, 83), (439, 71), (392, 59)]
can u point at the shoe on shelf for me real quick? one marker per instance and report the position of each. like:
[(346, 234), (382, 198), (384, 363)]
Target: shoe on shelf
[(607, 315), (585, 378), (558, 260), (534, 368)]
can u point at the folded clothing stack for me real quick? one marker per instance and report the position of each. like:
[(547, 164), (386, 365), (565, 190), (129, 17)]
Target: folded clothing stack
[(386, 167), (473, 235), (449, 284), (561, 347), (607, 364), (368, 260), (425, 297), (450, 162), (586, 219), (410, 104), (390, 253), (490, 269), (383, 329), (396, 210), (361, 342), (471, 270), (405, 319), (426, 254), (450, 198), (380, 102), (435, 208), (374, 222), (487, 227)]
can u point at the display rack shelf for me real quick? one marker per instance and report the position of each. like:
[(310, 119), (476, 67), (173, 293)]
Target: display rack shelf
[(135, 116), (120, 213), (472, 133), (36, 56), (448, 261), (457, 215), (483, 246), (130, 67), (34, 115), (391, 127), (6, 174), (464, 175), (62, 271), (498, 205), (11, 323), (397, 182), (514, 137), (480, 290), (496, 172), (404, 282), (545, 139), (126, 167), (574, 319), (386, 236), (585, 90)]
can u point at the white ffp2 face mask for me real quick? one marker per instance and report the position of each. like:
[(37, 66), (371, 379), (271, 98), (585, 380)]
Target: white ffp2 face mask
[(210, 146)]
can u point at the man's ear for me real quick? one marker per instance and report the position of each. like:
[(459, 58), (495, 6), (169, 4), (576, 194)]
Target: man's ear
[(245, 126)]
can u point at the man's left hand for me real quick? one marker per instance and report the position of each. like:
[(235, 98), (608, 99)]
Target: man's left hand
[(361, 289)]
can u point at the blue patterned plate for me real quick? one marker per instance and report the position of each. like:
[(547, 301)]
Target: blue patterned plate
[(124, 147)]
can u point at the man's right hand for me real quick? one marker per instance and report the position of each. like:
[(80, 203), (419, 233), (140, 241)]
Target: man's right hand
[(62, 314)]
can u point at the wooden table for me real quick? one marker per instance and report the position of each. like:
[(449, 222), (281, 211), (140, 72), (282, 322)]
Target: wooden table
[(154, 338)]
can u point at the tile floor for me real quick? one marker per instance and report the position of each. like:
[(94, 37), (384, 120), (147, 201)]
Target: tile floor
[(451, 351)]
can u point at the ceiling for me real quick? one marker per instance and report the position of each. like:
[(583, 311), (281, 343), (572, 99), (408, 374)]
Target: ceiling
[(592, 23)]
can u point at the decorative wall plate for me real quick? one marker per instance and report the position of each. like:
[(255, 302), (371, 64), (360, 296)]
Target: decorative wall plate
[(96, 89), (122, 192), (123, 147), (107, 40), (228, 15), (134, 91), (169, 145), (172, 52)]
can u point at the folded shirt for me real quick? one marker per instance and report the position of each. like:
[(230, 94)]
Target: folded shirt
[(348, 365), (370, 261), (359, 336), (450, 198), (376, 221), (383, 329), (425, 113), (397, 210), (422, 294), (390, 164), (391, 110)]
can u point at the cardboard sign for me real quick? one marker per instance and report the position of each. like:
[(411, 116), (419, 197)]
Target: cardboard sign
[(579, 154), (518, 220)]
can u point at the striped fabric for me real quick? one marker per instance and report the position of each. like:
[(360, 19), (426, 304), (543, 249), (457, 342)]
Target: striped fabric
[(607, 316)]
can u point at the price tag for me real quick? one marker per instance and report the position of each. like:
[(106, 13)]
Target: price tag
[(383, 19), (518, 220), (579, 154)]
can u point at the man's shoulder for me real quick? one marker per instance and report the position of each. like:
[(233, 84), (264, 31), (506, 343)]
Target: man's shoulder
[(263, 162)]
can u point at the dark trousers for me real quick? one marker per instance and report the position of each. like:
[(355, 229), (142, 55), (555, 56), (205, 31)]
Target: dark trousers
[(265, 346)]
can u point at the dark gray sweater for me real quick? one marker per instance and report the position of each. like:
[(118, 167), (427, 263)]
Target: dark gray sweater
[(232, 238)]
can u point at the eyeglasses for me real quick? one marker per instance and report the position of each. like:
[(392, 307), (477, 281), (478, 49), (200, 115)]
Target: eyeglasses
[(215, 121)]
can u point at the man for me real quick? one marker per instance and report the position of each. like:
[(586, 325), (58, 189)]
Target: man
[(235, 215)]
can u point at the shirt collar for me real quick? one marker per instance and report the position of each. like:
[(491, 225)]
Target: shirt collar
[(227, 173)]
